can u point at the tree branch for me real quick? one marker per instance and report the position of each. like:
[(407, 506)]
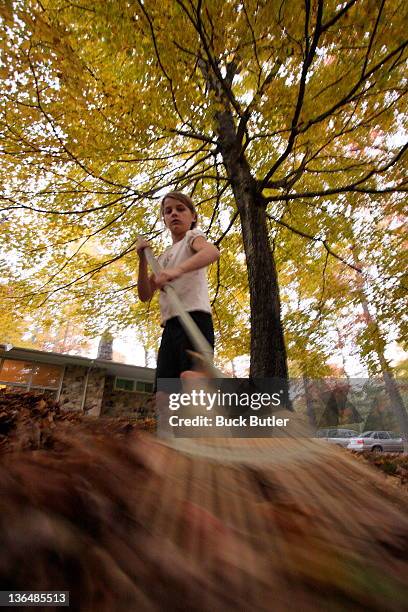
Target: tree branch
[(348, 97), (314, 239), (338, 15), (231, 223), (309, 56), (353, 187)]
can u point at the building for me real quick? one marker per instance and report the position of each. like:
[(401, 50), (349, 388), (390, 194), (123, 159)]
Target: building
[(92, 386)]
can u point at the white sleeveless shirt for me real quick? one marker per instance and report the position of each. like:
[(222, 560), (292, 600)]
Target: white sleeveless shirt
[(191, 287)]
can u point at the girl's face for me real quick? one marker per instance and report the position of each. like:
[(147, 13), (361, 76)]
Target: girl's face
[(177, 217)]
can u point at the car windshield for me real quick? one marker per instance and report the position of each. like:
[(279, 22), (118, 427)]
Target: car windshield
[(366, 434)]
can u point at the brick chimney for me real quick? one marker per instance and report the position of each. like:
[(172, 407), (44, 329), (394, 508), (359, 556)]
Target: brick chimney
[(105, 346)]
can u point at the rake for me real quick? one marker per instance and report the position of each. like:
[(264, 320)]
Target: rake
[(203, 353)]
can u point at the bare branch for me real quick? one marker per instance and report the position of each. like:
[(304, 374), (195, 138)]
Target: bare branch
[(309, 56), (314, 239), (164, 71), (50, 121), (80, 279), (373, 33), (217, 288), (348, 97), (338, 15), (199, 27), (18, 205), (353, 187), (193, 135), (231, 223)]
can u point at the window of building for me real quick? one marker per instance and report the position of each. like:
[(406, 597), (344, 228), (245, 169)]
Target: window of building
[(17, 372), (124, 384), (130, 384), (45, 375), (30, 375), (144, 387)]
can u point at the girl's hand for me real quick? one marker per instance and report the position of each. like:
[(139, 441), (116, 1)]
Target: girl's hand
[(167, 276), (141, 245)]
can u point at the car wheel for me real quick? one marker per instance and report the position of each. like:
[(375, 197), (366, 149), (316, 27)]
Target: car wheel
[(376, 449)]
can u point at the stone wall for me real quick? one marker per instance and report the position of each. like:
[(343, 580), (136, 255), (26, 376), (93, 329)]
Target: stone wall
[(94, 392), (73, 385), (116, 403)]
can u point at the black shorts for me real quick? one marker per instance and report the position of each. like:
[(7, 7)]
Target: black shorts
[(173, 358)]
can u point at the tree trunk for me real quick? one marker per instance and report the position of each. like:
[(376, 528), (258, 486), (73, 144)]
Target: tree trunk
[(146, 356), (268, 352), (341, 346), (397, 404), (310, 409), (65, 336)]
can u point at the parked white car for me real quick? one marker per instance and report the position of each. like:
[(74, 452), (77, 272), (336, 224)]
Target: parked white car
[(377, 441), (341, 437)]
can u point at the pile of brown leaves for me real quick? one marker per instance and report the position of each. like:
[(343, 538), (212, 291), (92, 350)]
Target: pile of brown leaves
[(140, 526), (125, 522), (392, 464), (33, 421)]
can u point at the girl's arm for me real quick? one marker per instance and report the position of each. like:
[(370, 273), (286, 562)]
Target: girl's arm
[(206, 253), (145, 283)]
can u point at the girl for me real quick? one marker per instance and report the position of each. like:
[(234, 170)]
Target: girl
[(184, 265)]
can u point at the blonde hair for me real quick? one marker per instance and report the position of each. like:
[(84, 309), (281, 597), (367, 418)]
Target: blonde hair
[(181, 197)]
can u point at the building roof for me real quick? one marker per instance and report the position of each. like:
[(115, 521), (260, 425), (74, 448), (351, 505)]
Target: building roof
[(114, 368)]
